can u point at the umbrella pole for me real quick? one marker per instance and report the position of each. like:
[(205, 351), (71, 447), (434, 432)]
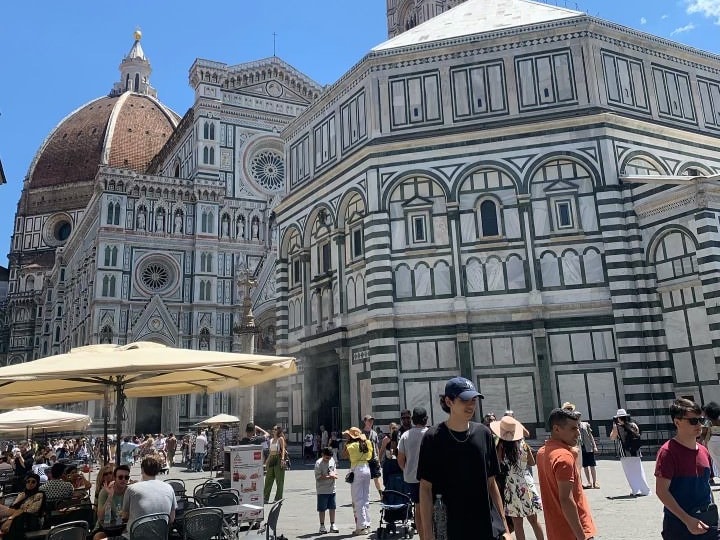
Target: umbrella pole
[(119, 406), (106, 415)]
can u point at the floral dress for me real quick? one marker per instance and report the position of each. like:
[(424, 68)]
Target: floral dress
[(521, 496)]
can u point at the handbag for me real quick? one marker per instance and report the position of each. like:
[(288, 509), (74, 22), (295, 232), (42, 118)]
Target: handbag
[(374, 465), (350, 477), (285, 463)]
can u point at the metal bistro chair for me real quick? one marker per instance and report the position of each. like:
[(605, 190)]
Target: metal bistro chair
[(272, 521), (184, 504), (73, 530), (177, 485), (150, 527), (204, 524), (202, 491), (225, 498), (7, 478)]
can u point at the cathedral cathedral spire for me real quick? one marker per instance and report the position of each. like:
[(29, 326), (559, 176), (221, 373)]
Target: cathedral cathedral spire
[(135, 71)]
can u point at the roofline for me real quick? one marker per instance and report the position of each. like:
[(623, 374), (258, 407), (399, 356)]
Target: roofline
[(3, 179)]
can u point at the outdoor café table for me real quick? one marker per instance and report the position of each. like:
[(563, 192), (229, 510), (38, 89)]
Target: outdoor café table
[(235, 509)]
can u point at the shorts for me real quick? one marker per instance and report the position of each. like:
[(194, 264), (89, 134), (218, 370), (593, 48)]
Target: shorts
[(588, 459), (325, 501), (413, 489)]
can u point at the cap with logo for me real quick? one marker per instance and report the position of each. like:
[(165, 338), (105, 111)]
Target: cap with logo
[(460, 387)]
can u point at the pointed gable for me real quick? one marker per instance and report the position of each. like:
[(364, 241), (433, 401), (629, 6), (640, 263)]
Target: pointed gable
[(478, 16)]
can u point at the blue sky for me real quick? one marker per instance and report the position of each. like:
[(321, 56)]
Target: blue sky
[(58, 56)]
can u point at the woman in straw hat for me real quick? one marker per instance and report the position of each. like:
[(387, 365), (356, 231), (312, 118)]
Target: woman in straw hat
[(521, 497), (359, 451)]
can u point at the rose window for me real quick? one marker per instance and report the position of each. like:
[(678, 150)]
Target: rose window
[(268, 170), (155, 276)]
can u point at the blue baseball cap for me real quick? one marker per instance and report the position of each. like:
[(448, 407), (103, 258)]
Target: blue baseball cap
[(462, 388)]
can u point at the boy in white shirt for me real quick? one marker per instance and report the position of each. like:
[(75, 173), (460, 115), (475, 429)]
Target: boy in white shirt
[(325, 476)]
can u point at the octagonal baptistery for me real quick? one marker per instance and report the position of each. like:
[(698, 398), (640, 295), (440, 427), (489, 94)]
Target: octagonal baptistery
[(124, 131)]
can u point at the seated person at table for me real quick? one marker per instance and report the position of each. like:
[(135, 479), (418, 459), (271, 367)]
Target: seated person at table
[(149, 496), (104, 475), (76, 478), (29, 501), (112, 493), (6, 463), (39, 467), (56, 489)]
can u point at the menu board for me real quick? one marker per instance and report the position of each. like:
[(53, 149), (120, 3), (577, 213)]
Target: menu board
[(246, 476)]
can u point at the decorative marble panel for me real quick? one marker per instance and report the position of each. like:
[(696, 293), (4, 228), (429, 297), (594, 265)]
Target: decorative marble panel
[(409, 356), (571, 269), (474, 274), (428, 355), (441, 274), (423, 284), (446, 354)]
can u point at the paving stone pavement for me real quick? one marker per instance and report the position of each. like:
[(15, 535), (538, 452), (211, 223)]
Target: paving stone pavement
[(618, 517)]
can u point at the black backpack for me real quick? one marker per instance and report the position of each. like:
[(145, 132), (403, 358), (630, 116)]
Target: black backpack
[(632, 441)]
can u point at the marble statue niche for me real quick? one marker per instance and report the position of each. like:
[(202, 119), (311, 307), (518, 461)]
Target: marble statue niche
[(225, 231), (240, 227), (178, 223), (141, 219), (160, 220), (255, 229)]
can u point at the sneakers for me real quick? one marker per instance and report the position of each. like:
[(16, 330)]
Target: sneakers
[(323, 530), (333, 528), (361, 532)]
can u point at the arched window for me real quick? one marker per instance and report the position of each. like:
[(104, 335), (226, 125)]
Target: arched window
[(108, 254), (116, 217), (206, 155), (210, 225), (29, 283), (176, 174), (105, 286), (127, 82), (208, 262), (489, 219), (206, 130), (112, 286), (137, 82), (212, 132), (113, 258), (202, 262), (212, 156), (57, 334)]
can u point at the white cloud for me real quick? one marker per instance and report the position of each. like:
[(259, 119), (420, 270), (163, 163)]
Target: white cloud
[(706, 8), (643, 20), (682, 29), (665, 17)]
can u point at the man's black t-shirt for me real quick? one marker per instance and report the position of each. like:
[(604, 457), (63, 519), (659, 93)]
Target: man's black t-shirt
[(459, 472), (258, 439)]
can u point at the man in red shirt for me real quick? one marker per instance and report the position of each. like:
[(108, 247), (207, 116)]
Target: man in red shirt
[(567, 513)]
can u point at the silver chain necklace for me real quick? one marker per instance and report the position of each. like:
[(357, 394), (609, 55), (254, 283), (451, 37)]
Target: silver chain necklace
[(467, 435)]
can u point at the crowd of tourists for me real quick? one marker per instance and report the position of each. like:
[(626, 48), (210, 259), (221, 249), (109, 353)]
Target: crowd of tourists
[(485, 473)]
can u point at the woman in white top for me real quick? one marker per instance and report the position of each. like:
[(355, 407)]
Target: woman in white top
[(274, 465)]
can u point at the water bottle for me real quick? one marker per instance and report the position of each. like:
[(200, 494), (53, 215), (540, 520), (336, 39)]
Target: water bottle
[(440, 518), (107, 518)]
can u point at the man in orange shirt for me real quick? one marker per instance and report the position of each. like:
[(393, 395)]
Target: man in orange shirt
[(567, 513)]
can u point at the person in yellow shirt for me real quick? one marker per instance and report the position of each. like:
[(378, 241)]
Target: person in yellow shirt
[(359, 451)]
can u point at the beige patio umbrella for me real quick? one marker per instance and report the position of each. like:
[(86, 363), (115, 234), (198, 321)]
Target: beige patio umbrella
[(18, 421), (219, 419), (141, 369)]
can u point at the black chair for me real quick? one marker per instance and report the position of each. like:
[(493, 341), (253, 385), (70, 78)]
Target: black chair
[(150, 527), (225, 498), (177, 485), (7, 478), (202, 491), (184, 504), (73, 530), (203, 524), (272, 521)]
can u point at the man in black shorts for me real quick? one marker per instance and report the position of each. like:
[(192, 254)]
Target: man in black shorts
[(458, 461)]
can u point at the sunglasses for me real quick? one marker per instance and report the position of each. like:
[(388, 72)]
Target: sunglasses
[(123, 477), (405, 417), (30, 480), (695, 421)]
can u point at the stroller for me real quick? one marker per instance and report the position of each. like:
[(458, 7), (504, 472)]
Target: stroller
[(396, 510)]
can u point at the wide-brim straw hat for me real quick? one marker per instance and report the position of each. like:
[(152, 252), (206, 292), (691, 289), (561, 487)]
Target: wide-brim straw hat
[(507, 428), (355, 433)]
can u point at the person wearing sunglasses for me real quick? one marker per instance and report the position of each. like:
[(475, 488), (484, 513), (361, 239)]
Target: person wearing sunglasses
[(112, 493), (682, 478), (627, 433), (29, 501)]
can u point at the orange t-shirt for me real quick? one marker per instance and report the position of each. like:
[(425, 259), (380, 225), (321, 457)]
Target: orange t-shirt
[(556, 462)]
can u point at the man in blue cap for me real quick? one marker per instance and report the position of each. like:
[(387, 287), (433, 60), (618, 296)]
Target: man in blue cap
[(458, 461)]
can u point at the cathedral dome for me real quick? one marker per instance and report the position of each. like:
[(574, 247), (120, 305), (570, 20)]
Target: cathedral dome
[(125, 130)]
